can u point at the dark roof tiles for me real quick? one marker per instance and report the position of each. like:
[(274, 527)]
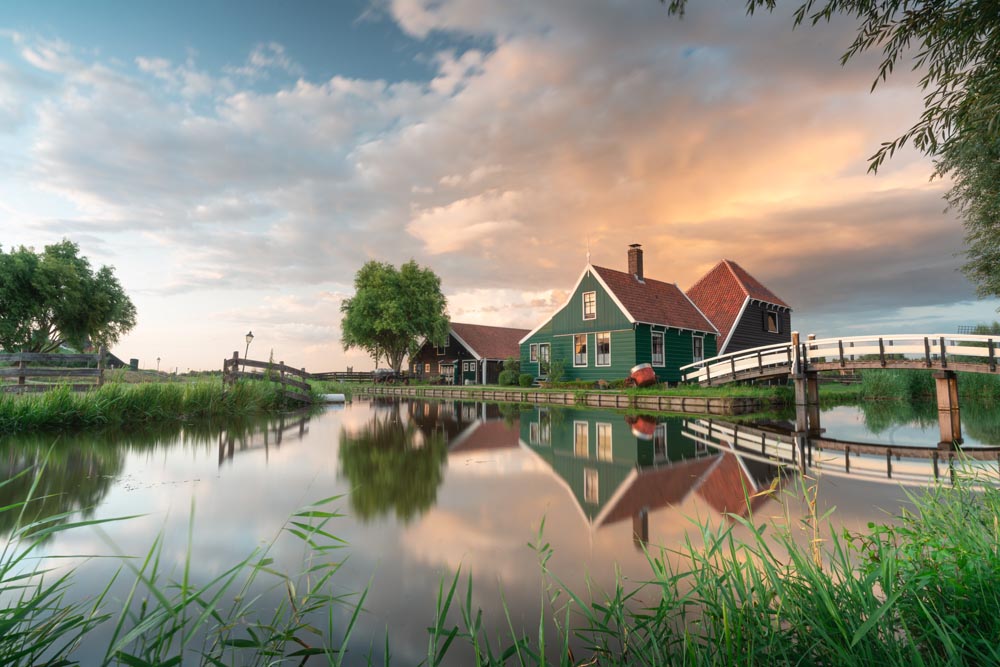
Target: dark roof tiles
[(654, 301), (490, 342)]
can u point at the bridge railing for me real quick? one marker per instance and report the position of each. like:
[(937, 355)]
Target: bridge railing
[(759, 358), (934, 350), (961, 351)]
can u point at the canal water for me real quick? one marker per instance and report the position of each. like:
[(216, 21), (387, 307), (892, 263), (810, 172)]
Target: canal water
[(427, 489)]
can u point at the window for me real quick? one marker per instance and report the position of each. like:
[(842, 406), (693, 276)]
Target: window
[(771, 322), (603, 347), (441, 350), (658, 356), (604, 442), (590, 492), (427, 368), (697, 348), (533, 433), (581, 443), (590, 305), (580, 350), (660, 442), (544, 429), (533, 352)]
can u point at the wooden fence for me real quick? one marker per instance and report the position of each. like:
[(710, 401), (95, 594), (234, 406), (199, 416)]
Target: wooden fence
[(279, 373), (349, 376), (35, 372)]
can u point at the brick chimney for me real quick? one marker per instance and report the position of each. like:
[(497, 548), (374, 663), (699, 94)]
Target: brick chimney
[(635, 261)]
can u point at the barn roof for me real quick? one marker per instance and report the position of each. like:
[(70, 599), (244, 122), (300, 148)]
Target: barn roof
[(721, 292), (654, 301), (489, 342)]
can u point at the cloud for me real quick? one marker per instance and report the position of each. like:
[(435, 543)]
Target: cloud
[(571, 123)]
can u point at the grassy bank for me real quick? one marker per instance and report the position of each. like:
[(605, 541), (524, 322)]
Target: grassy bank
[(920, 591), (918, 385), (118, 405)]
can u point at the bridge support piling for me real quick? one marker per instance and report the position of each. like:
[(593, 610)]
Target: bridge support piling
[(807, 402), (949, 416)]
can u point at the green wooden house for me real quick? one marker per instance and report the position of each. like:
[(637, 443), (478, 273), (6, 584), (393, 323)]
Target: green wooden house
[(614, 321)]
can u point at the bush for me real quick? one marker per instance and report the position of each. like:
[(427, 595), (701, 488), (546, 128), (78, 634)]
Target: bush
[(508, 378), (512, 364), (526, 379), (557, 370)]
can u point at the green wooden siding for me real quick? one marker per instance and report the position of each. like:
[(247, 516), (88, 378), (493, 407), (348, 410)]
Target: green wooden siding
[(677, 345), (609, 315)]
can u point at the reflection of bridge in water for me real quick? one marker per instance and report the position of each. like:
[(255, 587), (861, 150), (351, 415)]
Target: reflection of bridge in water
[(290, 426), (897, 464)]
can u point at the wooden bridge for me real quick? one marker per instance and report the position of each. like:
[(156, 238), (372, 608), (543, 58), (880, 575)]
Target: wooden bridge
[(946, 354), (951, 352), (280, 373)]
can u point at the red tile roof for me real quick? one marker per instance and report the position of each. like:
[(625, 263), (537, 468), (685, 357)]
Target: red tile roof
[(721, 292), (726, 488), (654, 301), (490, 342)]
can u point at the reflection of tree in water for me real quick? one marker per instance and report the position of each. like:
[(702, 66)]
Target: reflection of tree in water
[(75, 472), (880, 416), (393, 465)]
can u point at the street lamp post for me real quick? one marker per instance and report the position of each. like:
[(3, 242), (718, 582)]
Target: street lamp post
[(157, 364), (249, 339)]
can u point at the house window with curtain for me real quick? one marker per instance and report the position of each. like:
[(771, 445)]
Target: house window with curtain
[(581, 441), (533, 352), (604, 451), (603, 348), (590, 490), (590, 305), (698, 348), (659, 358), (580, 350)]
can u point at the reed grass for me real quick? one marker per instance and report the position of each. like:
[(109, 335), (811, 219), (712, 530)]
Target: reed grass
[(918, 385), (917, 591), (120, 405)]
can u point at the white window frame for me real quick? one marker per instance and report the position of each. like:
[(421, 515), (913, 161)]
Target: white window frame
[(533, 353), (586, 346), (577, 439), (583, 306), (591, 486), (533, 429), (427, 368), (663, 347), (548, 352), (609, 455), (660, 434), (441, 350), (694, 355), (597, 348)]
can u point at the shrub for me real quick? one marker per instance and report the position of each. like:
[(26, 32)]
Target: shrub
[(512, 364), (508, 378), (525, 379), (557, 370)]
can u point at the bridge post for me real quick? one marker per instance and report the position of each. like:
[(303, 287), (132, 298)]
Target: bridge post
[(806, 391), (949, 417)]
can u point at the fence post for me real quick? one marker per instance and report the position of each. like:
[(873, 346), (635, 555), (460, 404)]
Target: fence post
[(100, 365), (20, 367), (281, 370), (234, 368)]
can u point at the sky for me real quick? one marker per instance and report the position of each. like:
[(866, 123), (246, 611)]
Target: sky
[(237, 162)]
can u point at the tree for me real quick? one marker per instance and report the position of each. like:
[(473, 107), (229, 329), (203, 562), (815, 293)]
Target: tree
[(956, 48), (55, 298), (393, 311)]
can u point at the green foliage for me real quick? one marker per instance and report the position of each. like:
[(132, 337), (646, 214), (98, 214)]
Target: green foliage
[(53, 298), (393, 311), (525, 379), (133, 404), (512, 364), (507, 378), (987, 329), (955, 48), (557, 370)]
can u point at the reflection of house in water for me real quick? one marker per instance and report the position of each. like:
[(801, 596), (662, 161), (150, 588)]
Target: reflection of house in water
[(619, 467)]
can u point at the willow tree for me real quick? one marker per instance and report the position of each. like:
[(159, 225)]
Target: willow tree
[(55, 298), (954, 46), (393, 311)]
